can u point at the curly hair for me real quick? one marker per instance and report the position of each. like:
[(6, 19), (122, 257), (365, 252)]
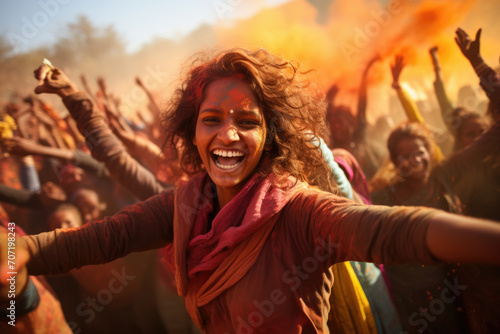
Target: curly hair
[(388, 173), (291, 106), (409, 130), (461, 116)]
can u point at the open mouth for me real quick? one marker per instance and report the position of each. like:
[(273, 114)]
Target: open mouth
[(420, 167), (227, 159)]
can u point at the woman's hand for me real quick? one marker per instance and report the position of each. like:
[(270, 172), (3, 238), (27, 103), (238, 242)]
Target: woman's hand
[(21, 146), (51, 195), (396, 69), (53, 82), (470, 49)]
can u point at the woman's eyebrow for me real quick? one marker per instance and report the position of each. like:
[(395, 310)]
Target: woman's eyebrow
[(211, 110), (249, 112), (241, 111)]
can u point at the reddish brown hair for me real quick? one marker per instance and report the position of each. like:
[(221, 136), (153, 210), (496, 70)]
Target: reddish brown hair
[(291, 106)]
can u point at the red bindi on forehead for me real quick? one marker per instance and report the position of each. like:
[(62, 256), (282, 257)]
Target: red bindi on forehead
[(231, 96)]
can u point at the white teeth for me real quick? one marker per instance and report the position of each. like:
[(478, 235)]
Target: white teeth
[(228, 154), (226, 166)]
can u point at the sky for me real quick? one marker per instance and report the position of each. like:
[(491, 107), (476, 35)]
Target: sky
[(27, 24)]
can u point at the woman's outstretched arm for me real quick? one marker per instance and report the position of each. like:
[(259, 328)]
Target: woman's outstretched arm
[(456, 238), (143, 226)]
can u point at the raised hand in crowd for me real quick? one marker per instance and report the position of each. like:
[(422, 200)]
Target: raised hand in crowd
[(101, 83), (51, 194), (153, 127), (396, 69), (86, 87), (53, 81), (436, 63), (489, 79), (21, 146), (470, 48)]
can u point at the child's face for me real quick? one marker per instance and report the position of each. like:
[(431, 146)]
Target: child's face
[(64, 219), (89, 205)]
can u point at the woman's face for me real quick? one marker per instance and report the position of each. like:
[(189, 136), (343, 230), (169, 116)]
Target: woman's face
[(341, 126), (412, 159), (230, 134), (471, 129)]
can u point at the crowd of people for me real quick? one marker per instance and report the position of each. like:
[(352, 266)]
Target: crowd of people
[(249, 205)]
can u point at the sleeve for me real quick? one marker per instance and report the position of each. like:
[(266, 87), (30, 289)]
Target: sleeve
[(414, 115), (26, 302), (409, 106), (489, 81), (147, 152), (366, 233), (139, 227), (338, 174), (445, 105), (105, 147), (28, 174), (89, 164), (20, 197), (472, 155)]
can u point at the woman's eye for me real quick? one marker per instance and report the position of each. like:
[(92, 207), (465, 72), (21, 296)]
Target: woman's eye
[(210, 120), (248, 122)]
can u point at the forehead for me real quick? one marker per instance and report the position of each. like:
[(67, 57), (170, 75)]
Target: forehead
[(69, 171), (66, 214), (87, 196), (474, 122), (408, 145), (229, 93)]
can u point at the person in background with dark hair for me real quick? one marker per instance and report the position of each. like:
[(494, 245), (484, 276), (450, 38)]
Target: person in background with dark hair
[(464, 125), (420, 182), (480, 193), (348, 131)]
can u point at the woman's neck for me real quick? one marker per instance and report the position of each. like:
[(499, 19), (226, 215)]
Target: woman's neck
[(225, 195)]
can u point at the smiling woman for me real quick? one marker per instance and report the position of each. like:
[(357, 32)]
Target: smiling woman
[(275, 97), (253, 235), (230, 143)]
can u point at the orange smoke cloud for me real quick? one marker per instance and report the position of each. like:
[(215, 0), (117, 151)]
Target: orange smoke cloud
[(354, 32)]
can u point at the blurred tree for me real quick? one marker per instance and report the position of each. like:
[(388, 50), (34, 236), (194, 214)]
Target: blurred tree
[(5, 48), (85, 46)]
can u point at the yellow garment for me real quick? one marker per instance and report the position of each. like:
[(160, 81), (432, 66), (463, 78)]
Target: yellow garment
[(414, 115), (7, 126), (350, 311)]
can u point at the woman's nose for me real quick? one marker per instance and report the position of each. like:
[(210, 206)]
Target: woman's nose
[(228, 133)]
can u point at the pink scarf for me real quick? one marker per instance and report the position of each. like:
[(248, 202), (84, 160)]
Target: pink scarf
[(208, 264)]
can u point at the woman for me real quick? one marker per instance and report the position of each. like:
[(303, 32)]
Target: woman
[(419, 179), (464, 125), (420, 182), (253, 237)]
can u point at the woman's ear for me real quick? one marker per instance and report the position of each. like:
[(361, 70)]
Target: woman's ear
[(194, 141)]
